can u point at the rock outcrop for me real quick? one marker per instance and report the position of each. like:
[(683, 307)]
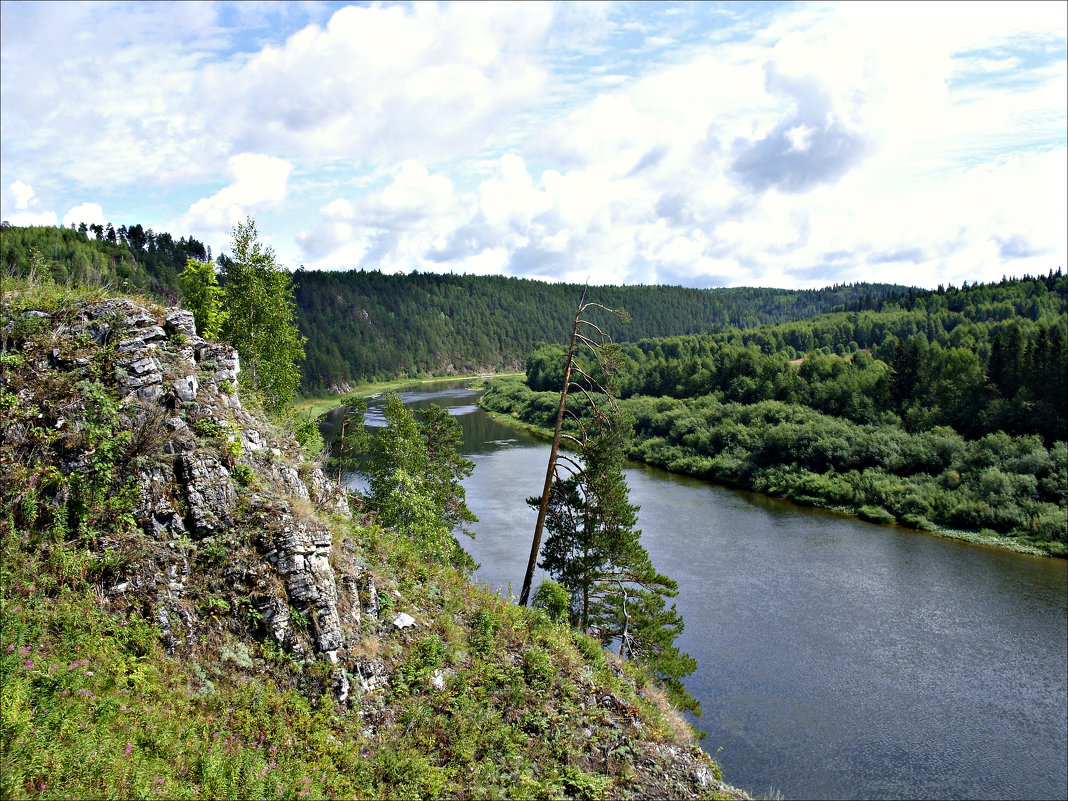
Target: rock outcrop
[(214, 480)]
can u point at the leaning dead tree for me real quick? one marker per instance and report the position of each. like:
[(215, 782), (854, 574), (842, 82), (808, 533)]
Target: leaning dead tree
[(591, 337)]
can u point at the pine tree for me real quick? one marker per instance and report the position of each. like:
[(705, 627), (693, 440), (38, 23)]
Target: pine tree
[(594, 550)]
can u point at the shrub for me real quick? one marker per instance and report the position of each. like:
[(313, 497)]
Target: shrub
[(875, 514), (553, 598)]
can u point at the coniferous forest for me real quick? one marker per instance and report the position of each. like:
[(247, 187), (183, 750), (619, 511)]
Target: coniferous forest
[(940, 409)]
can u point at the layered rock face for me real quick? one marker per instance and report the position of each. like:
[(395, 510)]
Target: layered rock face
[(213, 478)]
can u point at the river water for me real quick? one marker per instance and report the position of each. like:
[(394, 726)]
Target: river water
[(836, 658)]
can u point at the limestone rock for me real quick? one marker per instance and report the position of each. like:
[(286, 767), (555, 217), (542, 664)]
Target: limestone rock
[(209, 492), (180, 321), (186, 388), (168, 379)]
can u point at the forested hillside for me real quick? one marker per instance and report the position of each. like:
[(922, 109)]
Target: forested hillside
[(364, 326), (941, 410), (129, 257)]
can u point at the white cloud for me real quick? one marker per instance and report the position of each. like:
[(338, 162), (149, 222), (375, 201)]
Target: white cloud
[(23, 195), (25, 203), (794, 145), (88, 213), (259, 182), (31, 218), (412, 200), (424, 82)]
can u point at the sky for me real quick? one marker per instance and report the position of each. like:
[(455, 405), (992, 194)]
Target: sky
[(703, 144)]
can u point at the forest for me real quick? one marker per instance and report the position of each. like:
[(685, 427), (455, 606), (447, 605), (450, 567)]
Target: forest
[(936, 410), (365, 326)]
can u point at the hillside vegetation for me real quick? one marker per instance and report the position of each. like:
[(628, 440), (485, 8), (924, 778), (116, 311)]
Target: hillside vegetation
[(189, 609), (368, 326), (945, 410)]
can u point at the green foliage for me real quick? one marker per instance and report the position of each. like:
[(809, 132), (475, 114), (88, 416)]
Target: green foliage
[(553, 598), (260, 322), (303, 428), (244, 475), (202, 295), (414, 476), (875, 514)]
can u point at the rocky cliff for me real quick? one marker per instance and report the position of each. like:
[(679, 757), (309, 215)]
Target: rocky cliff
[(127, 442)]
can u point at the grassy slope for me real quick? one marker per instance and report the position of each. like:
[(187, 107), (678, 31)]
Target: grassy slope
[(483, 699)]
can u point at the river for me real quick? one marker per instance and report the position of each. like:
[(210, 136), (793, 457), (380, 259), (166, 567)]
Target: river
[(836, 658)]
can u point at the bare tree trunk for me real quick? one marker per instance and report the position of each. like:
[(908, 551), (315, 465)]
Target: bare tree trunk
[(341, 447), (624, 640), (550, 471)]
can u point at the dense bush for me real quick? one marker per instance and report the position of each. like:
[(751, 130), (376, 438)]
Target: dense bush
[(1014, 486)]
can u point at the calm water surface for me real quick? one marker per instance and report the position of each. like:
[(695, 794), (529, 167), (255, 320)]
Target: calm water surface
[(836, 658)]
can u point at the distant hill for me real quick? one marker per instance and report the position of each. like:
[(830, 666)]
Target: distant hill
[(365, 326)]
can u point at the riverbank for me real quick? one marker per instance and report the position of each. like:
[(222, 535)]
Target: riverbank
[(317, 405), (984, 538)]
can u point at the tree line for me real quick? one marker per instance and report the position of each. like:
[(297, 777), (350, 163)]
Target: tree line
[(128, 257), (917, 368), (966, 432)]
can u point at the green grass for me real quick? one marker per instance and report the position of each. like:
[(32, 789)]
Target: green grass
[(317, 405), (93, 707)]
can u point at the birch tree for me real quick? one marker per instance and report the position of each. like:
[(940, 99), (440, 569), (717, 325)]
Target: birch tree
[(261, 321)]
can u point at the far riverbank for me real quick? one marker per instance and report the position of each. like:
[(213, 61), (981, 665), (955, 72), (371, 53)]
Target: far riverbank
[(317, 405), (987, 539)]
